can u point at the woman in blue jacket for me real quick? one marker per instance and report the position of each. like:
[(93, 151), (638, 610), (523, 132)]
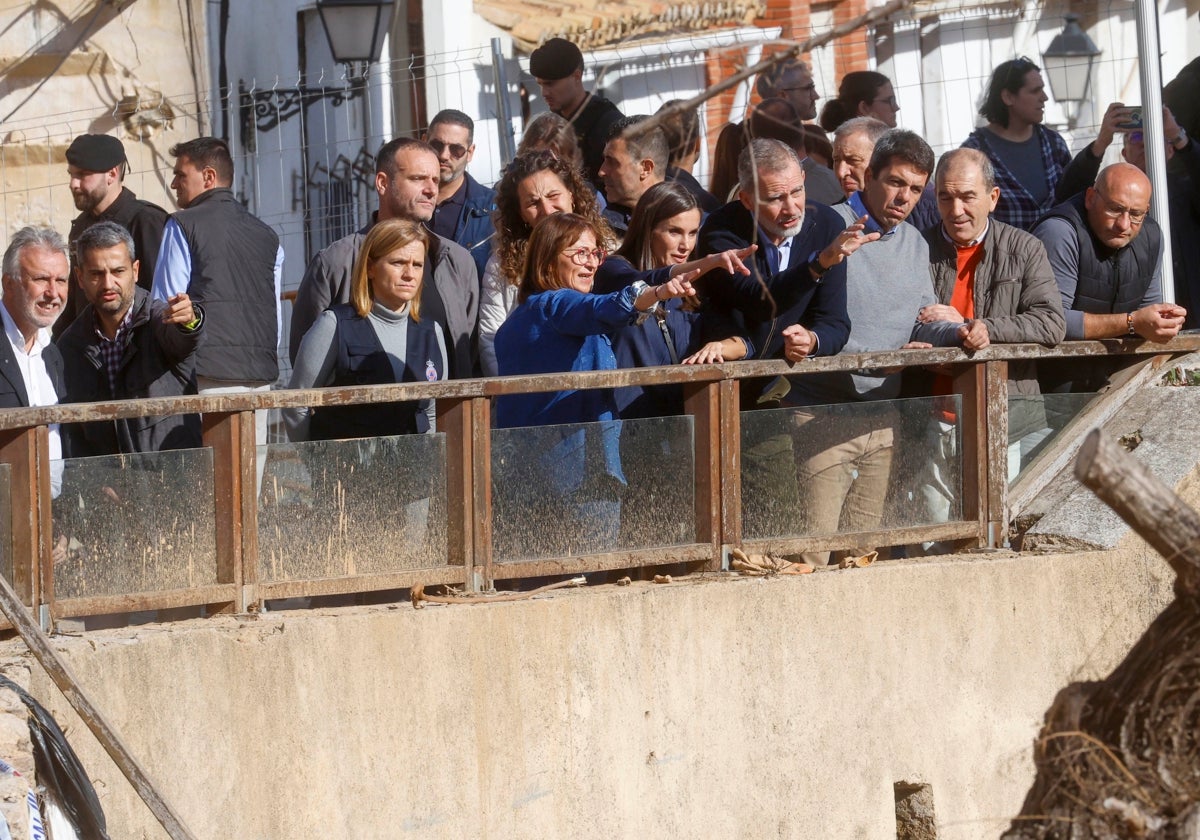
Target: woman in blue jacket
[(560, 326)]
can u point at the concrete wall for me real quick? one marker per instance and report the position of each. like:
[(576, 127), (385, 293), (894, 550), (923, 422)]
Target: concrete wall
[(731, 708)]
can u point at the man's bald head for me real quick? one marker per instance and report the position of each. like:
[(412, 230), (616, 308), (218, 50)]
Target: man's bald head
[(1117, 204)]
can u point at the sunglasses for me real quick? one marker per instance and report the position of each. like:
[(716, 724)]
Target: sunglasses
[(457, 150)]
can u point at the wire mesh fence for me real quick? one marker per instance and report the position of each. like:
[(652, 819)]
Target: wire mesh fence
[(304, 140)]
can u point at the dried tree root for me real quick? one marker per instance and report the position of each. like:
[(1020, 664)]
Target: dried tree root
[(763, 565), (418, 594)]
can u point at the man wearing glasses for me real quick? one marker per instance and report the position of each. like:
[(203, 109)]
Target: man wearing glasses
[(1106, 253), (464, 206)]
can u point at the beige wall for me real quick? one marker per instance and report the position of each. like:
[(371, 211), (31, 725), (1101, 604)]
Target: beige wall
[(720, 708), (134, 70)]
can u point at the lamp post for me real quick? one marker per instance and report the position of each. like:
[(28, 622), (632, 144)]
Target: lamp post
[(355, 30), (1068, 62)]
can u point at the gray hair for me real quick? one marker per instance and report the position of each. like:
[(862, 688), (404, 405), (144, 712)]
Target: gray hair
[(763, 155), (873, 128), (973, 156), (31, 237), (104, 235)]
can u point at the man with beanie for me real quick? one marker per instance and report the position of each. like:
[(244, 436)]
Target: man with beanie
[(96, 166), (557, 65)]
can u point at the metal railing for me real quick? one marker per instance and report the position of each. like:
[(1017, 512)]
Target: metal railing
[(464, 411)]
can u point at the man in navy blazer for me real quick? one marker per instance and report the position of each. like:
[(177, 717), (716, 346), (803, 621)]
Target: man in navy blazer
[(792, 306)]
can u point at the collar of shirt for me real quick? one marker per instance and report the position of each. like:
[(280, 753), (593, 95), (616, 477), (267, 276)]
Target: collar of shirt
[(121, 327), (17, 338), (785, 253), (970, 244), (860, 209)]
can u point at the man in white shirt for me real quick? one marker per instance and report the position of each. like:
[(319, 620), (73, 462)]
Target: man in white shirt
[(36, 278)]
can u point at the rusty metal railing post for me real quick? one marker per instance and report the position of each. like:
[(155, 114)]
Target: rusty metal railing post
[(702, 402), (455, 420), (731, 465), (235, 499), (18, 449)]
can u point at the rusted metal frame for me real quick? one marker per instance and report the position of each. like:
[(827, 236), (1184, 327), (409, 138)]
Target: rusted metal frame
[(943, 531), (18, 449), (970, 385), (166, 599), (44, 568), (230, 435), (996, 399), (702, 402), (667, 555), (315, 587), (731, 465), (454, 421), (481, 486)]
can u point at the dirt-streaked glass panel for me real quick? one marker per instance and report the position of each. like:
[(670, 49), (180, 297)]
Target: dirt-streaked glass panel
[(347, 507), (1033, 422), (589, 488), (135, 523), (860, 466)]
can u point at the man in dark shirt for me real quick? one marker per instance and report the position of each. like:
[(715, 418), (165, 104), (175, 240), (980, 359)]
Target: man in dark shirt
[(464, 206), (683, 137), (557, 65), (96, 166)]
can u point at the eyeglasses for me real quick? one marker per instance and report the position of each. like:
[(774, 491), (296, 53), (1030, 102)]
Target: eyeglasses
[(457, 150), (811, 87), (891, 100), (1116, 211), (582, 256)]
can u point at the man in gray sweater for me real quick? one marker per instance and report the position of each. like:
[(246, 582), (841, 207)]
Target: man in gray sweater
[(845, 447)]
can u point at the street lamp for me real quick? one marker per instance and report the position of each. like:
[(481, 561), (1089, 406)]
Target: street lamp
[(1068, 62), (355, 28)]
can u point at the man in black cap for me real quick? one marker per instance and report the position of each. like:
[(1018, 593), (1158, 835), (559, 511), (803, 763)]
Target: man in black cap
[(96, 167), (557, 66)]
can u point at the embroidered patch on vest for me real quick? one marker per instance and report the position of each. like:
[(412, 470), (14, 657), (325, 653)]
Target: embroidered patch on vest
[(430, 371)]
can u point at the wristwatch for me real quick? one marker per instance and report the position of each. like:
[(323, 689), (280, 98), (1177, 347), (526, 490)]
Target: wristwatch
[(814, 265)]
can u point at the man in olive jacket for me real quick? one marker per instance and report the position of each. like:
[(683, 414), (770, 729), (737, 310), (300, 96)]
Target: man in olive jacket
[(998, 276)]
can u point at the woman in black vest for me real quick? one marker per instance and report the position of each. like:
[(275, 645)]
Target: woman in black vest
[(377, 338)]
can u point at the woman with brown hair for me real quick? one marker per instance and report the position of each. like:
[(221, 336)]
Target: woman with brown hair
[(536, 185), (863, 93)]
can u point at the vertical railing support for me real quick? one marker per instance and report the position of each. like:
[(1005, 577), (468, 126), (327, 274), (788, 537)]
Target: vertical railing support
[(454, 420), (996, 400), (481, 478), (235, 480), (731, 465), (18, 449), (984, 423), (43, 571), (702, 402)]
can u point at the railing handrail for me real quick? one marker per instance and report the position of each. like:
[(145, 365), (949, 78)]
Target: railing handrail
[(19, 418)]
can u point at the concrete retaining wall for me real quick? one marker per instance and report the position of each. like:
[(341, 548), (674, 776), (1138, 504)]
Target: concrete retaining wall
[(721, 708)]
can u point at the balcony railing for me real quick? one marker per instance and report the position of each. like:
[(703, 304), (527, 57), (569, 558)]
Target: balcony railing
[(194, 529)]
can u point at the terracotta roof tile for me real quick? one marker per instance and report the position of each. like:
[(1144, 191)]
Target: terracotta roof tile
[(591, 25)]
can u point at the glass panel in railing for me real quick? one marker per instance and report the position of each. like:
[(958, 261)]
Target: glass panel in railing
[(1033, 422), (6, 548), (861, 466), (135, 523), (590, 488), (335, 508)]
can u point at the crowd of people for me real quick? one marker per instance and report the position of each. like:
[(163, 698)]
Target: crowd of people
[(598, 249)]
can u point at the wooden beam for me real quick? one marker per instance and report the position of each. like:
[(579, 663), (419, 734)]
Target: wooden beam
[(167, 599), (731, 463), (231, 437), (970, 385), (454, 421), (1062, 449), (942, 532), (996, 463), (692, 553), (481, 483), (315, 587), (61, 675)]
